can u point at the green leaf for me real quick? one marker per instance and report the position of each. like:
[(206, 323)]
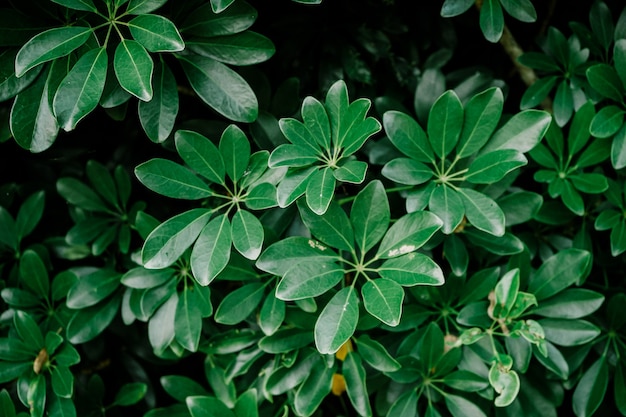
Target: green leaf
[(201, 155), (221, 88), (272, 314), (352, 172), (337, 321), (142, 278), (522, 10), (261, 197), (447, 204), (171, 180), (618, 149), (291, 156), (505, 382), (6, 404), (619, 388), (506, 293), (464, 380), (32, 121), (48, 45), (313, 390), (412, 269), (590, 183), (133, 69), (205, 22), (407, 136), (572, 303), (491, 167), (170, 239), (607, 121), (431, 348), (619, 58), (605, 80), (591, 388), (143, 6), (376, 355), (77, 193), (539, 61), (239, 304), (28, 330), (308, 279), (93, 288), (156, 33), (370, 215), (521, 132), (36, 395), (207, 407), (62, 381), (408, 234), (130, 394), (320, 190), (572, 199), (578, 134), (482, 114), (188, 320), (89, 322), (445, 121), (211, 252), (355, 377), (569, 332), (563, 103), (33, 274), (158, 115), (84, 5), (180, 387), (482, 212), (245, 48), (247, 234), (286, 339), (406, 404), (520, 207), (332, 228), (537, 91), (235, 150), (383, 299), (80, 91), (12, 370), (559, 272), (9, 237), (451, 8), (596, 152), (462, 407), (492, 20), (407, 171), (279, 257), (161, 327)]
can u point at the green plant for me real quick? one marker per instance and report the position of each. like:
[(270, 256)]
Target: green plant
[(360, 221)]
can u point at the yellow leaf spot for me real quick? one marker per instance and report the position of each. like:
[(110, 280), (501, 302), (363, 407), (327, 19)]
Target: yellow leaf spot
[(339, 384), (41, 360), (343, 350)]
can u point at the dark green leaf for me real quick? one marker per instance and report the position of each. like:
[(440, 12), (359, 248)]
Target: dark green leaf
[(538, 91), (522, 10), (320, 190), (281, 256), (271, 315), (201, 155), (133, 69), (245, 48), (205, 22), (559, 272), (313, 390), (407, 136), (370, 215), (332, 228), (62, 381), (308, 279), (143, 6), (207, 407), (563, 104), (352, 172), (221, 88), (605, 80), (444, 123), (452, 8), (158, 115), (93, 288), (607, 121), (491, 20), (407, 171), (188, 320), (28, 330), (89, 322), (462, 407), (482, 114), (447, 204), (156, 33), (491, 167), (239, 304), (235, 150), (482, 212), (33, 274), (49, 45), (569, 332), (84, 5), (355, 377), (591, 388), (130, 394), (171, 180)]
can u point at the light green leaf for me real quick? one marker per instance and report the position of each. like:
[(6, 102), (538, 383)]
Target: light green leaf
[(522, 10), (271, 315), (383, 299), (505, 382), (170, 239), (156, 33), (408, 234), (447, 204), (188, 320), (221, 88), (158, 115), (48, 45), (352, 172), (281, 256), (482, 212), (521, 132), (211, 252), (171, 180), (607, 121), (308, 279), (451, 8), (445, 122), (337, 321), (133, 69)]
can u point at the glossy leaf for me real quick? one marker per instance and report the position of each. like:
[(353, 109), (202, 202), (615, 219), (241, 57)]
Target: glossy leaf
[(239, 304), (170, 239), (482, 114), (559, 272), (93, 288), (205, 406), (493, 166), (356, 384), (412, 269), (133, 69), (313, 390), (211, 252), (447, 204), (569, 332), (482, 212), (462, 407), (605, 80), (308, 279), (235, 150), (201, 155), (158, 115), (383, 299), (506, 383), (521, 132), (247, 234), (337, 321), (156, 33), (444, 123), (221, 88), (332, 228), (143, 6), (171, 179), (408, 234), (188, 320), (89, 322), (320, 190), (49, 45), (591, 389), (370, 215), (407, 136), (607, 121), (492, 20), (407, 171), (244, 48), (33, 274)]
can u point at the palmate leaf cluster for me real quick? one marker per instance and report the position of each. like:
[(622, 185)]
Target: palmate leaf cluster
[(315, 208)]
